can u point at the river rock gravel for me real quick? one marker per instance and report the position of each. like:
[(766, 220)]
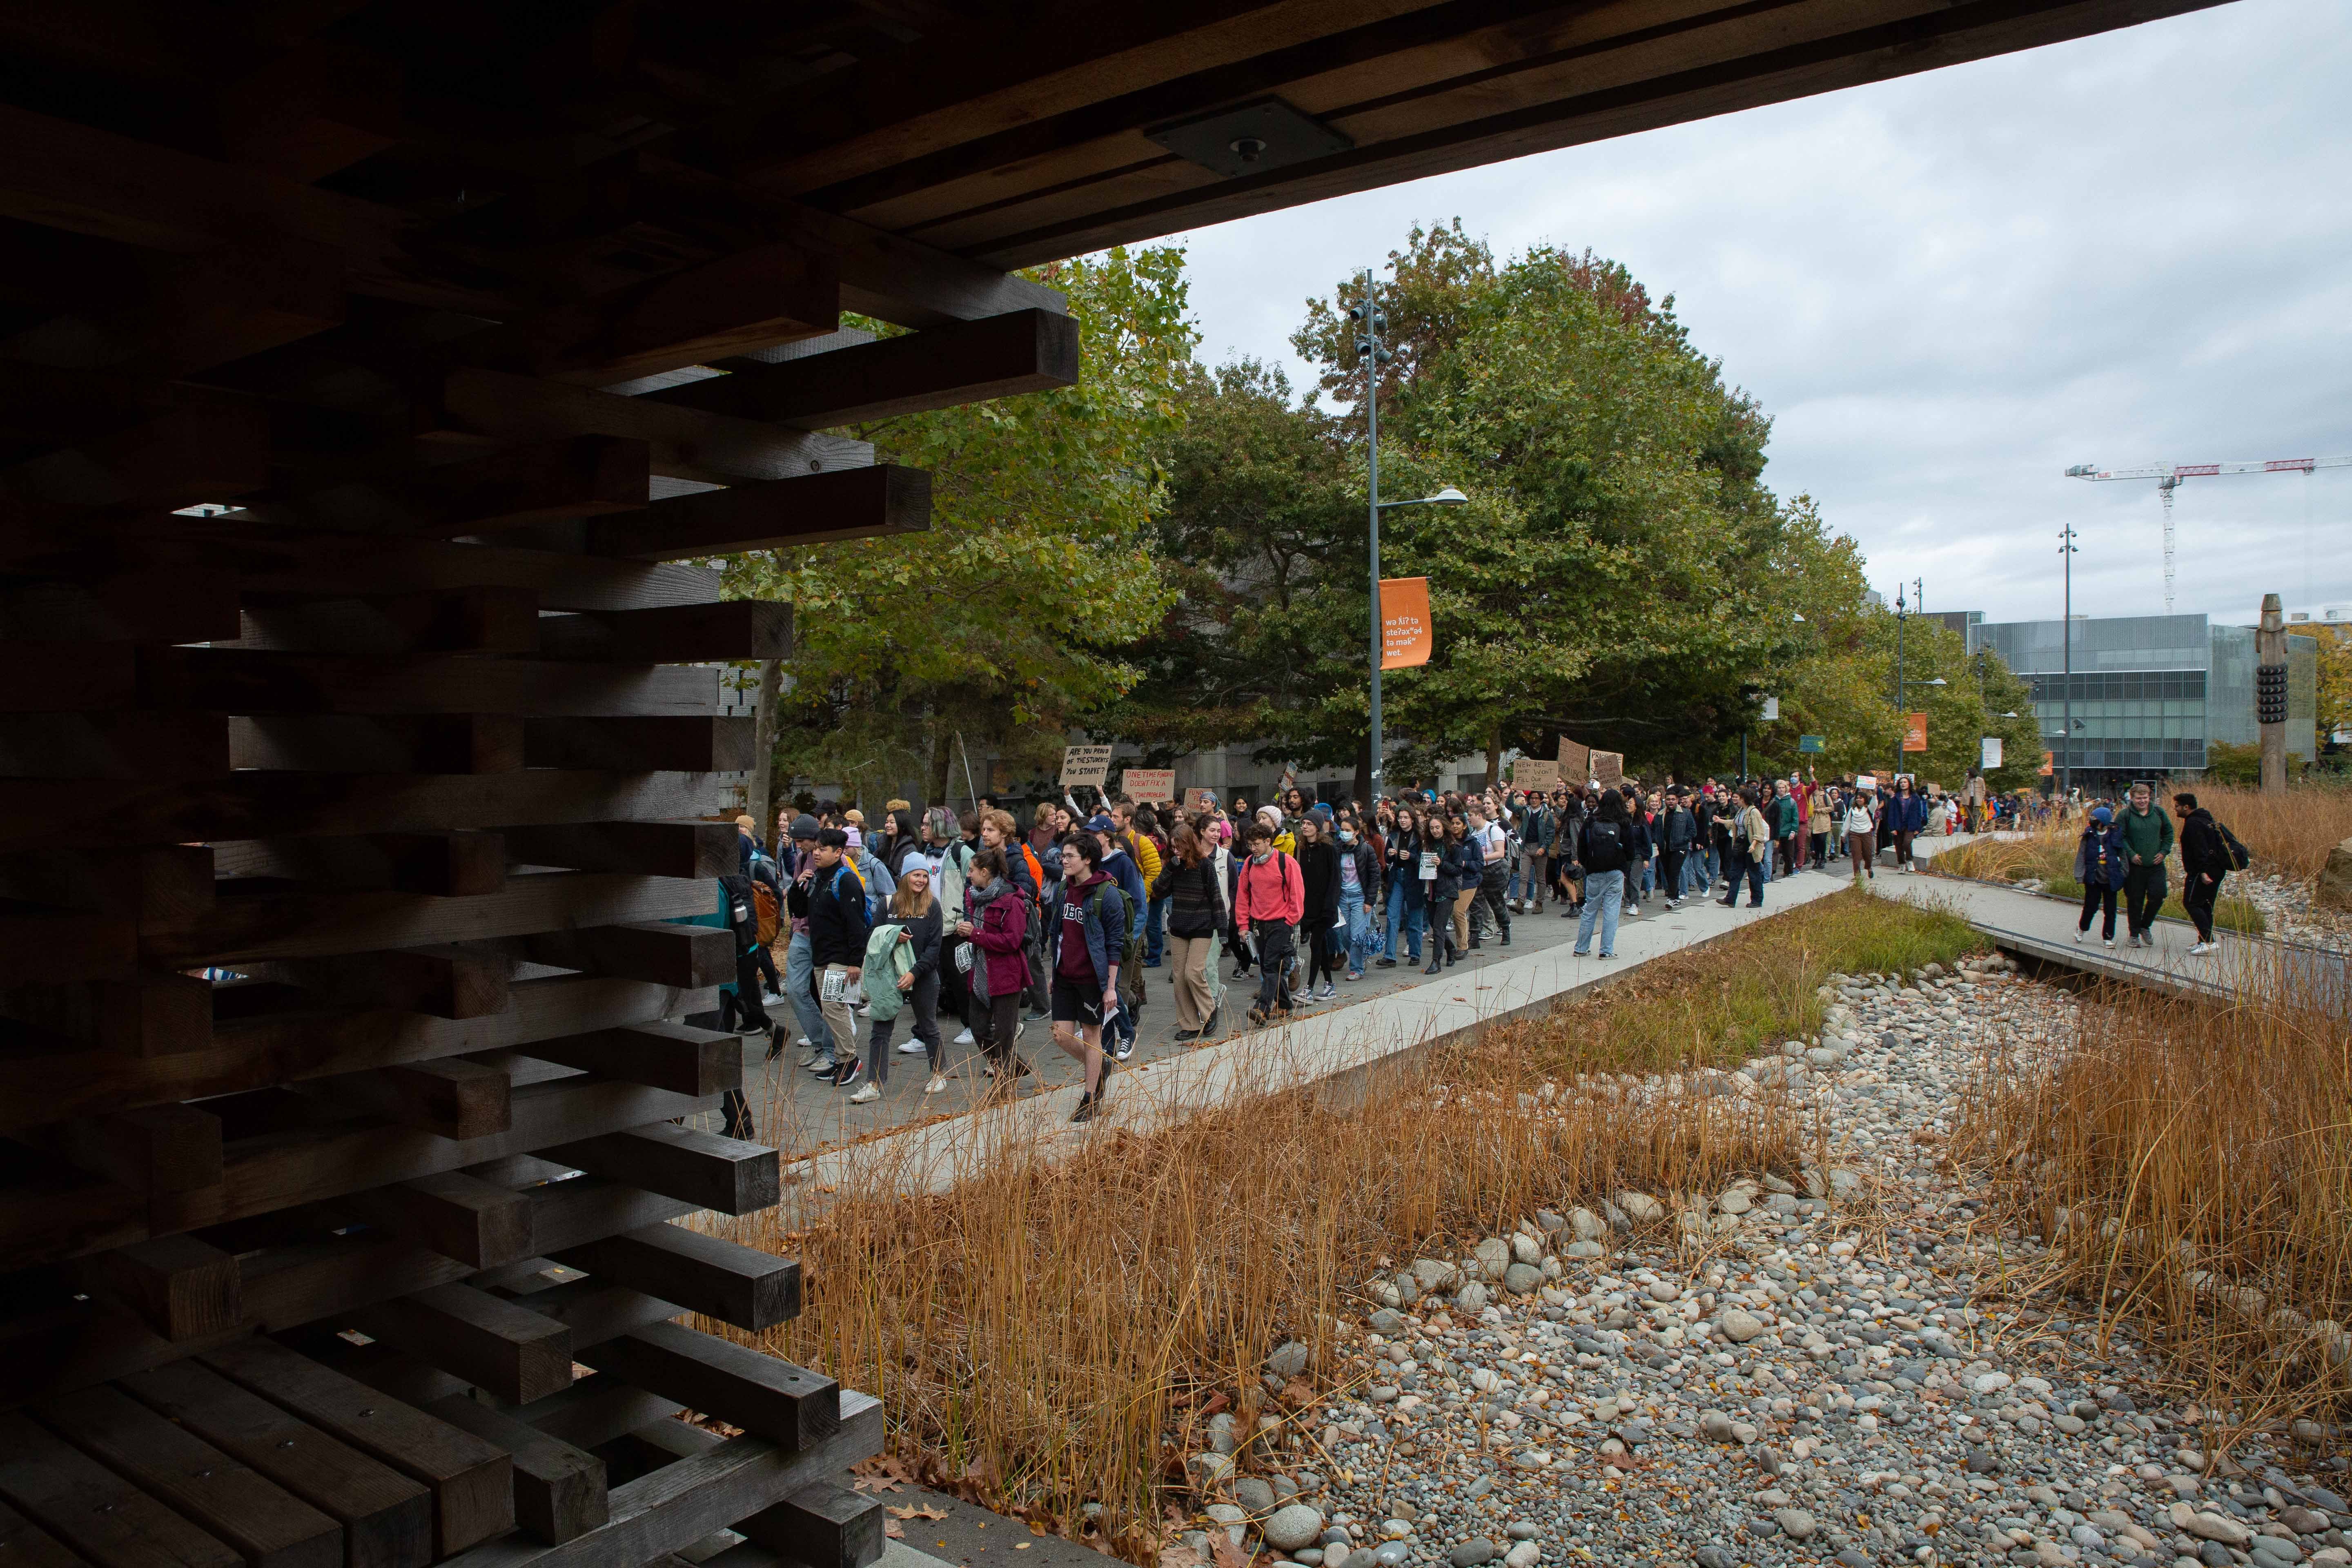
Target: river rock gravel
[(1810, 1370)]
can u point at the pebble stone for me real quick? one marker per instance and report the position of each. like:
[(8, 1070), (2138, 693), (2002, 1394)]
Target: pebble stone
[(1809, 1377)]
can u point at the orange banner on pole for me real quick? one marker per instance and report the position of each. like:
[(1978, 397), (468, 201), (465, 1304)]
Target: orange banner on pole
[(1915, 733), (1404, 621)]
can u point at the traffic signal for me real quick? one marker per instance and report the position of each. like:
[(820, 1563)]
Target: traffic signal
[(2270, 694)]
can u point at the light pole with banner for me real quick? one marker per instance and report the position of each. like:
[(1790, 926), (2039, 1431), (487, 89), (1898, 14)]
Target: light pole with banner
[(1371, 320)]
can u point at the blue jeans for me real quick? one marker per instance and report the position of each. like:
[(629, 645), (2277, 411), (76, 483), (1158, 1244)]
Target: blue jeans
[(1155, 930), (1360, 928), (1752, 869), (800, 979), (1604, 892), (1404, 920)]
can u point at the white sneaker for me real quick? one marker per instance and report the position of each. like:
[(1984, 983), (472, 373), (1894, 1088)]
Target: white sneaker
[(2107, 942), (805, 1043), (938, 1082), (2204, 948), (2080, 937), (1330, 993), (964, 1039), (866, 1094), (1125, 1050), (911, 1048)]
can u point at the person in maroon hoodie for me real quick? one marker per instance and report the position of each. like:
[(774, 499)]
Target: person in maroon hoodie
[(999, 930)]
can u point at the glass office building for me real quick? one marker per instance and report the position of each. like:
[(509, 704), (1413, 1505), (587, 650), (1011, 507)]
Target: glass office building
[(2150, 692)]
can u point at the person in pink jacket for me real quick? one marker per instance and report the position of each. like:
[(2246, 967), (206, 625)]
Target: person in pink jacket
[(1269, 900)]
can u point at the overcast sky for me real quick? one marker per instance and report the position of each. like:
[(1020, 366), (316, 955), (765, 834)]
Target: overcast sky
[(1945, 289)]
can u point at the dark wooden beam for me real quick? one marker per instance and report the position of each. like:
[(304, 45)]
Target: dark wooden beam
[(998, 356), (855, 503)]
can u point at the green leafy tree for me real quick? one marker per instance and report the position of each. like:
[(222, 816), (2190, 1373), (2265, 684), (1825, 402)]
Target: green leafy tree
[(1005, 622)]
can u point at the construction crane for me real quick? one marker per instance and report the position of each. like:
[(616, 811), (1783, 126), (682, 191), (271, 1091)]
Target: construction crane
[(2167, 477)]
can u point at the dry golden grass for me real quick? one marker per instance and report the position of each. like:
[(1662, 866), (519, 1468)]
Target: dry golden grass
[(1053, 1329), (2194, 1164), (2288, 834)]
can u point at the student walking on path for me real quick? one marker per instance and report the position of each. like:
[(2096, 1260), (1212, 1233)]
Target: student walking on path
[(1861, 835), (902, 970), (1604, 850), (2148, 839), (998, 928), (1090, 940), (1269, 900), (2099, 862), (2205, 859), (1194, 896)]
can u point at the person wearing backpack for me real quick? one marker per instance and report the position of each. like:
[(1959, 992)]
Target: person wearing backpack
[(2099, 861), (2209, 852), (742, 1008), (840, 920), (1120, 865), (1603, 849), (1090, 948), (1269, 897)]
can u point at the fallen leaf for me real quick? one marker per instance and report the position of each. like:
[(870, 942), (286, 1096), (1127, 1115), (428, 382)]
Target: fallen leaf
[(1221, 1548), (917, 1511), (894, 1529)]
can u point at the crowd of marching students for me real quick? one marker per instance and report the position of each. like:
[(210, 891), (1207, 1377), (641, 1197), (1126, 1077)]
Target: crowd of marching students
[(965, 917)]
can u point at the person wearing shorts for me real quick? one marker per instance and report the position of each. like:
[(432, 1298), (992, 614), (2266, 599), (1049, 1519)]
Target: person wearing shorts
[(1090, 933)]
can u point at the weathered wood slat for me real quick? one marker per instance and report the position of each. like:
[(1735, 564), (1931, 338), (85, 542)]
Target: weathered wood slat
[(471, 1480), (458, 1216), (264, 556), (120, 745), (182, 1288), (312, 1163), (702, 1168), (595, 1410), (492, 620), (455, 1099), (30, 1546), (732, 628), (530, 482), (446, 865), (675, 1056), (92, 1510), (270, 1525), (558, 1489), (680, 1504), (658, 744), (688, 957), (747, 1388), (507, 1349), (255, 926), (124, 606), (645, 848), (737, 1285), (247, 680), (853, 503), (996, 356), (445, 981), (822, 1525), (149, 886), (387, 1517), (684, 443), (595, 1311), (251, 1051), (42, 814)]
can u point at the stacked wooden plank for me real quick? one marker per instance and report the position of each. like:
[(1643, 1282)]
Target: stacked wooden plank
[(361, 639)]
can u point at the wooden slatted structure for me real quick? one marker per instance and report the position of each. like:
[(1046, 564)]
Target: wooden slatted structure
[(377, 380)]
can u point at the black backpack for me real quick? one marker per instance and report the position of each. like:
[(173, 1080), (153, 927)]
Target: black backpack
[(2239, 857), (742, 913), (1604, 847)]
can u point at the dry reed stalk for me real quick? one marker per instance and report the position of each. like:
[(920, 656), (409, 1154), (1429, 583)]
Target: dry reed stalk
[(2193, 1163), (1047, 1330), (1051, 1330)]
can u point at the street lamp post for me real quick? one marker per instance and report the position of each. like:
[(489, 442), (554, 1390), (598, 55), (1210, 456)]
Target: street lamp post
[(2066, 634), (1370, 320)]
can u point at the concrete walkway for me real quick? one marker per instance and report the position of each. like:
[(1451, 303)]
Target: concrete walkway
[(2029, 924), (1167, 1080)]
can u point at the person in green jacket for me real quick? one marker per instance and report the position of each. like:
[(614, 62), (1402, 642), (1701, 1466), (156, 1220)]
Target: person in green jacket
[(2148, 839)]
